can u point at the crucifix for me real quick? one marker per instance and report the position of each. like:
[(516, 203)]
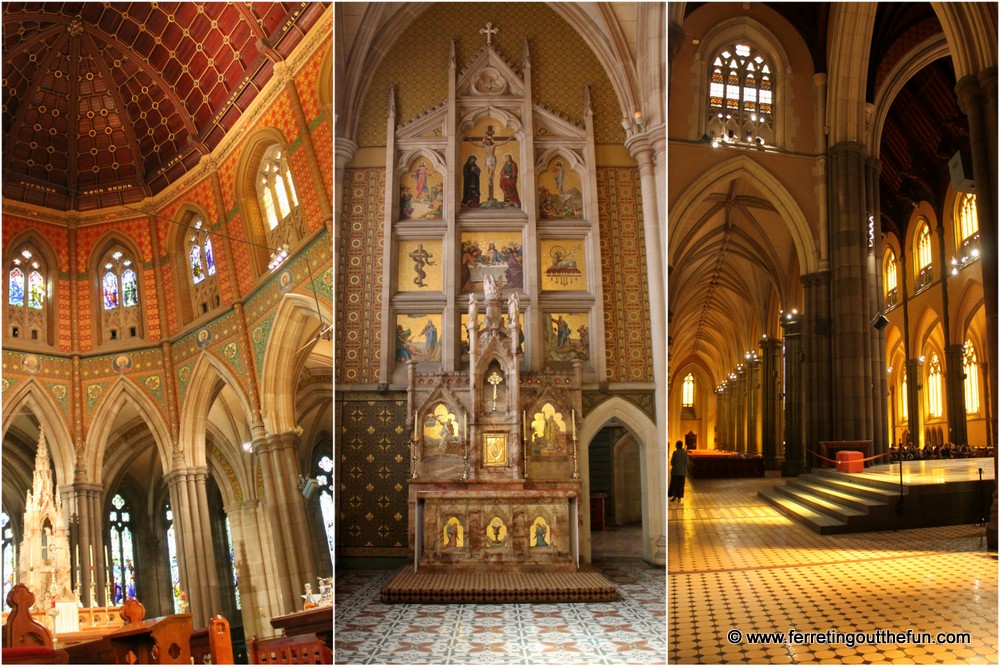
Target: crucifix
[(494, 379), (489, 30)]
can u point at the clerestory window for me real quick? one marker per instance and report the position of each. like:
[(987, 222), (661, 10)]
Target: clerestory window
[(741, 96)]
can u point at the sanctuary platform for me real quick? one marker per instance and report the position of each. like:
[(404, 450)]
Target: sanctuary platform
[(943, 492)]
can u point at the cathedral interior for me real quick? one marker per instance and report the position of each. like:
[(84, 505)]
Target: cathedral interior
[(168, 281)]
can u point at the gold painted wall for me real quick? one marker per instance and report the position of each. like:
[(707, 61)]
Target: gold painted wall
[(560, 64)]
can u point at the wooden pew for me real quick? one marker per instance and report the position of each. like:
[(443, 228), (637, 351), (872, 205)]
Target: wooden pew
[(213, 642), (307, 640), (25, 640), (157, 641)]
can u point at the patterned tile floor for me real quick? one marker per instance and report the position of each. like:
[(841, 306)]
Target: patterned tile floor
[(629, 631), (734, 563)]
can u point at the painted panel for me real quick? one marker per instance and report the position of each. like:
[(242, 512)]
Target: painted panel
[(421, 192), (418, 337), (560, 192), (567, 336), (492, 253), (418, 268), (490, 170), (563, 264)]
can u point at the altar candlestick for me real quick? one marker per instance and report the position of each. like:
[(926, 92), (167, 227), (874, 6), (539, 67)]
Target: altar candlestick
[(574, 423), (416, 426), (466, 425), (91, 557), (524, 425)]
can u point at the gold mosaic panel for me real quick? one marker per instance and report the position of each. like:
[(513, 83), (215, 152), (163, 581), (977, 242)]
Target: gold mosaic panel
[(418, 266), (561, 63), (564, 264)]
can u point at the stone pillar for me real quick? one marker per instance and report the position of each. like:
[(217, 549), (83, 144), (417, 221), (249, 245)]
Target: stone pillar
[(250, 595), (187, 558), (794, 463), (818, 370), (977, 98), (740, 397), (753, 404), (295, 508), (344, 150), (770, 385), (198, 478), (914, 382), (851, 340), (157, 260), (83, 496), (876, 304), (954, 379), (281, 535)]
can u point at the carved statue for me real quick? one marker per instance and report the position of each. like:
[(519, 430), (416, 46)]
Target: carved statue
[(512, 309), (473, 309)]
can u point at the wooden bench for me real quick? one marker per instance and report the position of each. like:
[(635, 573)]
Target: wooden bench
[(157, 641), (307, 640), (213, 642), (25, 640)]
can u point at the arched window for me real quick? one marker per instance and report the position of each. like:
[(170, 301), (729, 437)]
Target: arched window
[(925, 264), (121, 316), (934, 387), (324, 478), (27, 296), (891, 291), (278, 202), (687, 395), (122, 554), (232, 563), (201, 268), (968, 226), (741, 96), (9, 556), (971, 370), (904, 409), (175, 575)]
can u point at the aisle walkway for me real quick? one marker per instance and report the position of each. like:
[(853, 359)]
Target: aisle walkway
[(734, 563)]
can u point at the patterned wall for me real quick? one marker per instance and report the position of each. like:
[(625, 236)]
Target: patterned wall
[(374, 467), (142, 367), (307, 83), (628, 344), (54, 373), (359, 296), (561, 63)]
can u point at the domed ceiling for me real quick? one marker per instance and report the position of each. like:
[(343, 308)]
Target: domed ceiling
[(108, 103)]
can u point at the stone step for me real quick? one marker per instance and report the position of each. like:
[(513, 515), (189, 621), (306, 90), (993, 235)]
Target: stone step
[(851, 495), (820, 522), (814, 498), (883, 485)]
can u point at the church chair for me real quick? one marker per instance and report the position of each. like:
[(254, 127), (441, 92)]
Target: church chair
[(25, 640)]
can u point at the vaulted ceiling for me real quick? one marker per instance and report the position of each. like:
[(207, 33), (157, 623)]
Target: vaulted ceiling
[(108, 103)]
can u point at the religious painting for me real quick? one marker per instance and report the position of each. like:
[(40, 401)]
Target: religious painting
[(421, 192), (549, 433), (494, 449), (490, 155), (567, 336), (560, 192), (564, 264), (479, 323), (453, 533), (418, 266), (496, 532), (418, 337), (442, 435), (497, 254), (541, 533)]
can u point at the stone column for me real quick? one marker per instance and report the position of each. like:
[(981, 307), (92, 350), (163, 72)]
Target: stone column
[(753, 404), (914, 382), (851, 340), (741, 409), (817, 371), (281, 535), (344, 150), (954, 379), (198, 479), (794, 463), (876, 304), (83, 495), (249, 594), (187, 561), (771, 428)]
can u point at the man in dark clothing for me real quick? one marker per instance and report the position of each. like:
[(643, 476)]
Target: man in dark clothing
[(678, 470)]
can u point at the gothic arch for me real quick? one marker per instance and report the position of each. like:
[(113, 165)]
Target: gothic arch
[(970, 29), (652, 461), (104, 244), (122, 392), (296, 324), (849, 46), (744, 167), (37, 239), (245, 193), (324, 82), (969, 303), (33, 396), (176, 250), (207, 378)]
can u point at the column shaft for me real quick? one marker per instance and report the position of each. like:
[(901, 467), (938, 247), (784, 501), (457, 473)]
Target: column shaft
[(771, 403), (794, 455)]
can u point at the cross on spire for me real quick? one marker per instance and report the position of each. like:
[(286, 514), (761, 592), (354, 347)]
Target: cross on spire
[(489, 30)]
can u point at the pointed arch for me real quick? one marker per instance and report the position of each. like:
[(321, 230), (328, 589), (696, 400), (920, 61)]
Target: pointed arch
[(652, 462), (33, 237), (296, 325), (178, 249), (784, 203), (33, 396), (122, 392), (207, 378), (108, 241)]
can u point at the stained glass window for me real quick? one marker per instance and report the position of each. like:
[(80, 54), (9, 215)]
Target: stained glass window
[(9, 560), (110, 290), (197, 272), (130, 288), (232, 564), (122, 554), (209, 257), (934, 387), (325, 481), (16, 289), (175, 576), (740, 95), (971, 369), (687, 398), (275, 188), (36, 290)]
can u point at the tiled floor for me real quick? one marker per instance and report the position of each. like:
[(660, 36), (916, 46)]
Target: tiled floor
[(734, 563), (629, 631)]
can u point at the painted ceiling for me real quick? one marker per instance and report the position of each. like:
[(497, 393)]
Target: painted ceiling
[(108, 103)]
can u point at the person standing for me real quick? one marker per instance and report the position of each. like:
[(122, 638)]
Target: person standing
[(678, 470)]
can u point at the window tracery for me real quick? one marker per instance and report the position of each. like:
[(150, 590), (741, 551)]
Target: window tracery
[(121, 318), (201, 268), (934, 408), (968, 226), (279, 203), (741, 96), (891, 287), (122, 564), (687, 397), (324, 478), (27, 280), (175, 576), (971, 370), (925, 265)]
